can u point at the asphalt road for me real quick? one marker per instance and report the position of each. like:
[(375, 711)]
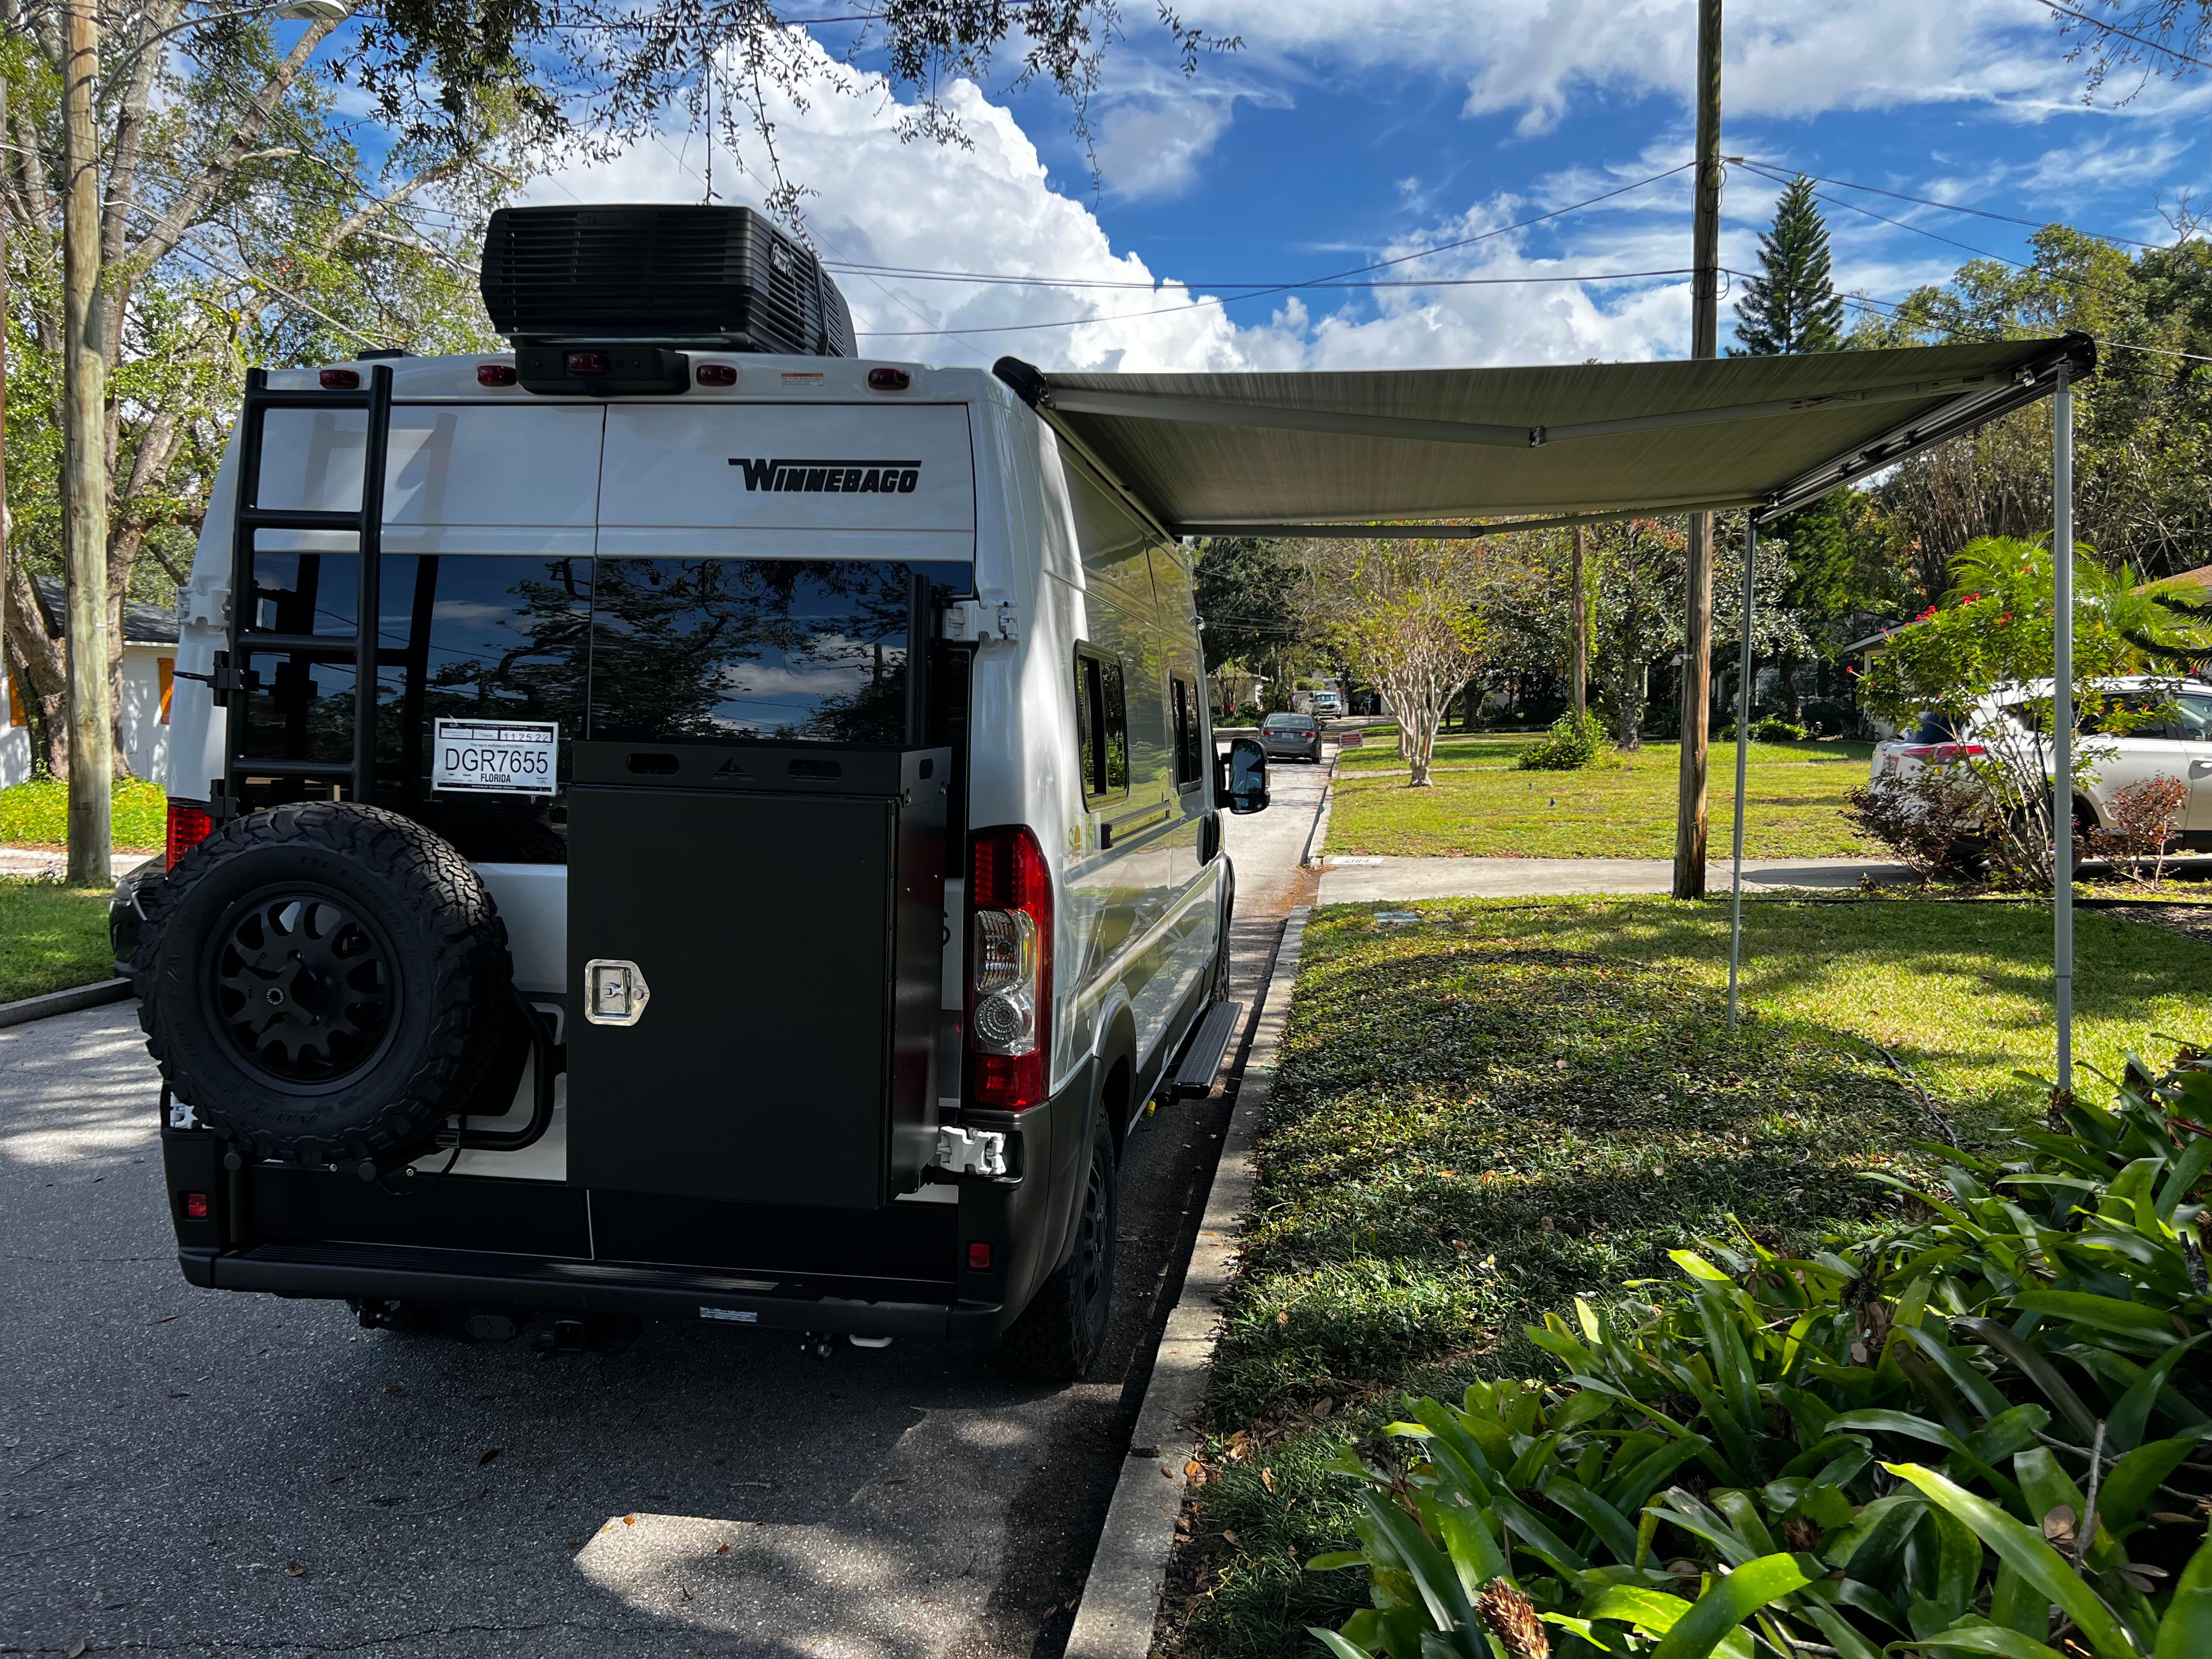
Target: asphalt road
[(199, 1472)]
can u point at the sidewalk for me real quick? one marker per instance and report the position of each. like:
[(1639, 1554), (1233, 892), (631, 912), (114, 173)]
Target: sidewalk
[(1349, 880), (52, 861)]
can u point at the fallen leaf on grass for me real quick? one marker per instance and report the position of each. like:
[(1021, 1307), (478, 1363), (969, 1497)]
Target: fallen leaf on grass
[(1194, 1471), (1283, 1318), (488, 1457), (1267, 1478)]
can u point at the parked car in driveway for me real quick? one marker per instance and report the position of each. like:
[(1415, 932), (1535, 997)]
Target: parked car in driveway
[(1291, 737), (2175, 742)]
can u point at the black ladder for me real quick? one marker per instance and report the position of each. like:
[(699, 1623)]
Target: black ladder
[(232, 677)]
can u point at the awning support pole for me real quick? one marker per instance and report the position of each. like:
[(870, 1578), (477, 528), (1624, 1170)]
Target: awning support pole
[(1742, 760), (2062, 722)]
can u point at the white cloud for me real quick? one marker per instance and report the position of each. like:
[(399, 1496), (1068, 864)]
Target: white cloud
[(1782, 58), (990, 208)]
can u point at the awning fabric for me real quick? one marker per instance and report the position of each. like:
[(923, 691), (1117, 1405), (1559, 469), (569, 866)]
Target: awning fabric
[(1211, 454)]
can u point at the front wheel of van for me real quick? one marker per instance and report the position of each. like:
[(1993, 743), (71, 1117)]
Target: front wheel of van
[(1059, 1335)]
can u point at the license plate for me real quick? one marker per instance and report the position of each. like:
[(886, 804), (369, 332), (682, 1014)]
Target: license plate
[(506, 757)]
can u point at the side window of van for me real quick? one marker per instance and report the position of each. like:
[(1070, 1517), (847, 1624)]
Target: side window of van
[(1101, 715), (1189, 765)]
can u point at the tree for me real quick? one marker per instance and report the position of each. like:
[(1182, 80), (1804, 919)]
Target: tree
[(1637, 577), (236, 220), (1403, 614), (1638, 590), (1791, 306), (1248, 591)]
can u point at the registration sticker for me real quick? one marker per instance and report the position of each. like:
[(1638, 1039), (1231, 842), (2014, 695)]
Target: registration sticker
[(507, 757)]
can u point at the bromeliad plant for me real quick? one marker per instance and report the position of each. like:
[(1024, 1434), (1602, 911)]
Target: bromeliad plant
[(1878, 1448)]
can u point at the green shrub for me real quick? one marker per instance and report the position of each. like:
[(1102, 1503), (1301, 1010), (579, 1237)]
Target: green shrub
[(1820, 1447), (1567, 747), (36, 814)]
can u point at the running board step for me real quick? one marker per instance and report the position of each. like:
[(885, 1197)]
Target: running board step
[(1202, 1060)]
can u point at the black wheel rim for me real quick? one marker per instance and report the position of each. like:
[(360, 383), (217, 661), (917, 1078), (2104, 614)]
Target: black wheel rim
[(1094, 1248), (301, 984)]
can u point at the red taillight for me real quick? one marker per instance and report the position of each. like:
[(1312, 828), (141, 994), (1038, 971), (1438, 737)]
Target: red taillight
[(889, 380), (340, 379), (1009, 970), (716, 375), (195, 1206), (588, 362), (1942, 754), (494, 373), (189, 825), (979, 1257)]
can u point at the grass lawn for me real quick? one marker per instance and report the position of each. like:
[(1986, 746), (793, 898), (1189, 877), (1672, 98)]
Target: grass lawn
[(51, 937), (1482, 1114), (1621, 807), (36, 814)]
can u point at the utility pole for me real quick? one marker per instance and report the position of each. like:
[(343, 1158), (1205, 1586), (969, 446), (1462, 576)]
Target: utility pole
[(1705, 342), (84, 490), (1578, 629)]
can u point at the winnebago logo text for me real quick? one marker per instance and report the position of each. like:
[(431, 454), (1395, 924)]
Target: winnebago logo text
[(837, 477)]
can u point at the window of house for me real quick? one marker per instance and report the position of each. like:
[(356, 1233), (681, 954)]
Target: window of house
[(1101, 715), (1190, 764)]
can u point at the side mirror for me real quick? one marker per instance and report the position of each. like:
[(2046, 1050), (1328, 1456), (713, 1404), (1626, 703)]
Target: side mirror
[(1242, 782)]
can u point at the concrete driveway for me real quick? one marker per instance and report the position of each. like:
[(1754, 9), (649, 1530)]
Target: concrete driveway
[(205, 1472)]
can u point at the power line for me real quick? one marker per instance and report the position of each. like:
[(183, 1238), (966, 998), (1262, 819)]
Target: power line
[(1954, 207), (1454, 282), (1317, 281)]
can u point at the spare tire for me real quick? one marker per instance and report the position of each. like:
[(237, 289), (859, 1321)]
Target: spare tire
[(323, 982)]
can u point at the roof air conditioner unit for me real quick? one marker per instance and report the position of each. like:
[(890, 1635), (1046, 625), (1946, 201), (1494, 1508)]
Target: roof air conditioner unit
[(717, 277)]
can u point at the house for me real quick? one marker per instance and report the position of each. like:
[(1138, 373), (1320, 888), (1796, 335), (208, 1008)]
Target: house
[(149, 660)]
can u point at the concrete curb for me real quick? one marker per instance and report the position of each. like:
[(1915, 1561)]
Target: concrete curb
[(1317, 833), (99, 992), (1122, 1595)]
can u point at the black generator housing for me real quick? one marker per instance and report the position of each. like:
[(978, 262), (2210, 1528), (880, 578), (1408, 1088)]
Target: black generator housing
[(713, 277)]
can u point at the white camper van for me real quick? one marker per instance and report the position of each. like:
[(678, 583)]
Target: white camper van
[(677, 820)]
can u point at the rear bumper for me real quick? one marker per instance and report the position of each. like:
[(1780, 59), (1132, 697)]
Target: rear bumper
[(483, 1279)]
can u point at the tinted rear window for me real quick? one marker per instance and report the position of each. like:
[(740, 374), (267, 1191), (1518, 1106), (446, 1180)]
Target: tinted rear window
[(1287, 723)]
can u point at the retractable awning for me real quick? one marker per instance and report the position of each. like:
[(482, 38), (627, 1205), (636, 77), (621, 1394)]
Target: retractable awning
[(1330, 453)]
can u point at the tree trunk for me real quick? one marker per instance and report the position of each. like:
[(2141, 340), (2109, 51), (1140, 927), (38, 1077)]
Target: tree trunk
[(38, 670), (1577, 635), (85, 464), (1785, 687)]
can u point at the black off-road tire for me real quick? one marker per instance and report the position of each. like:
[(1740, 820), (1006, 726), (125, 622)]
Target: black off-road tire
[(333, 924), (1060, 1334)]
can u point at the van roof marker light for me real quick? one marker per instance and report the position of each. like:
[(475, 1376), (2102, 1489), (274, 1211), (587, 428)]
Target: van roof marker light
[(889, 380), (340, 379), (717, 375), (494, 373)]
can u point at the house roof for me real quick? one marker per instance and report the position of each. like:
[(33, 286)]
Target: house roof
[(1290, 453), (142, 623)]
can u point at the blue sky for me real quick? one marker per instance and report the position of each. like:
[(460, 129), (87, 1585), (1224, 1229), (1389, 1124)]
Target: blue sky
[(1348, 131)]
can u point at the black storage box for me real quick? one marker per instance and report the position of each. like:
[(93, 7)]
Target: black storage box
[(701, 276), (785, 907)]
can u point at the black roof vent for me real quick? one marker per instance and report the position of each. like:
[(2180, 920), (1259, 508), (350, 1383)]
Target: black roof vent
[(719, 277)]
